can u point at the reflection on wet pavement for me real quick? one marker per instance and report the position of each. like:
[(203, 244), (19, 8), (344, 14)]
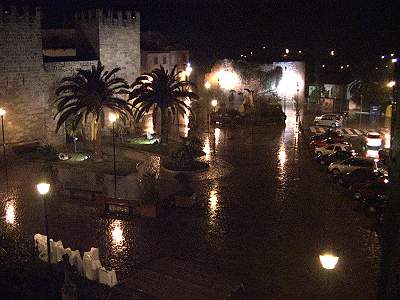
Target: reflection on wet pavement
[(267, 212)]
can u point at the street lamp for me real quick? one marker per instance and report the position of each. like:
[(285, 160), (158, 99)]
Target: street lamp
[(391, 84), (43, 189), (113, 117), (2, 113), (328, 261), (207, 85), (214, 104), (75, 140), (188, 70)]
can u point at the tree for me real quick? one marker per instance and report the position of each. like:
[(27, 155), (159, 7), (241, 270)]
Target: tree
[(84, 96), (162, 92)]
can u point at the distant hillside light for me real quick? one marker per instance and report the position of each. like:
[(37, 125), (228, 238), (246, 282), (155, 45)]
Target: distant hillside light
[(383, 57), (264, 47), (391, 54), (300, 52), (323, 66), (332, 53), (287, 51), (394, 60)]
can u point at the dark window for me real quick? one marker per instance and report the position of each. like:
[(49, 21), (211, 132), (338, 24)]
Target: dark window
[(156, 60), (86, 15), (124, 16), (115, 14), (20, 11), (164, 60), (105, 13)]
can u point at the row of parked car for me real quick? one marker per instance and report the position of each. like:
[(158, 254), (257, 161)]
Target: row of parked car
[(365, 178)]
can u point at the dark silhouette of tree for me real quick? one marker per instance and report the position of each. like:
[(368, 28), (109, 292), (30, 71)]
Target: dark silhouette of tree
[(83, 97), (162, 92)]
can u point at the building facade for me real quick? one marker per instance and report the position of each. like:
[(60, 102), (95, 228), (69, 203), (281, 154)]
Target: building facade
[(32, 64)]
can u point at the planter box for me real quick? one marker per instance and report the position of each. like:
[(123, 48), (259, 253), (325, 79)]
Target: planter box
[(150, 211), (185, 201)]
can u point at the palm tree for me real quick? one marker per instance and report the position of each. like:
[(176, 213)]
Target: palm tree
[(161, 91), (84, 96)]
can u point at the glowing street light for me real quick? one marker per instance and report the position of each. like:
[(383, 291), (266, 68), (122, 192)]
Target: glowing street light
[(391, 54), (207, 85), (328, 261), (287, 51), (391, 84), (188, 70), (113, 118), (2, 113), (43, 189), (214, 103), (383, 57), (332, 53), (394, 60)]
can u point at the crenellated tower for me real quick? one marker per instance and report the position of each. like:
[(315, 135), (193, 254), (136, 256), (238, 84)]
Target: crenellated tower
[(113, 36)]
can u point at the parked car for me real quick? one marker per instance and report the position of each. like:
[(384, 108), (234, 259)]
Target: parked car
[(330, 120), (327, 134), (370, 193), (360, 176), (373, 139), (327, 141), (340, 155), (352, 164), (332, 148)]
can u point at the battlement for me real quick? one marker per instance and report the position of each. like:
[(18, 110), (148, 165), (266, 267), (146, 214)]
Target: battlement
[(11, 14), (108, 16)]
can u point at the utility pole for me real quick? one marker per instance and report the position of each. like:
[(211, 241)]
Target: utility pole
[(389, 285)]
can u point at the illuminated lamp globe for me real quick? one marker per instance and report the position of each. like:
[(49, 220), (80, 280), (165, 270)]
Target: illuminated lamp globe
[(214, 103), (391, 84), (112, 117), (188, 69), (2, 112), (207, 85), (328, 261), (43, 188)]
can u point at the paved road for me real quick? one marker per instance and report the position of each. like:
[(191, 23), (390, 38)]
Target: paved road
[(265, 224)]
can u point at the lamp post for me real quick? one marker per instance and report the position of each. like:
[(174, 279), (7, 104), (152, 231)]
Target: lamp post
[(113, 117), (188, 70), (75, 140), (43, 189), (207, 85), (214, 104), (2, 113)]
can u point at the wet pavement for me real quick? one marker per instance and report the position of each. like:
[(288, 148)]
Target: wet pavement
[(268, 211)]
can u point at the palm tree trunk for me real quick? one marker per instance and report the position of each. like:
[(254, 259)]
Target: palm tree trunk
[(96, 139), (164, 126)]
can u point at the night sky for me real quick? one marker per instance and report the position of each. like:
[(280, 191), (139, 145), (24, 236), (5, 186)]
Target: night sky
[(220, 28)]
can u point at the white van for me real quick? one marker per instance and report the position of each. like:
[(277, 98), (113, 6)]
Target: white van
[(330, 120)]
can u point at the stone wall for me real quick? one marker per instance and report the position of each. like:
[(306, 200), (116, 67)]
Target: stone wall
[(22, 78), (27, 84)]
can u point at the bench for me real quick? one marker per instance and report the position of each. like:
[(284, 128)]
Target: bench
[(120, 206), (82, 193)]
